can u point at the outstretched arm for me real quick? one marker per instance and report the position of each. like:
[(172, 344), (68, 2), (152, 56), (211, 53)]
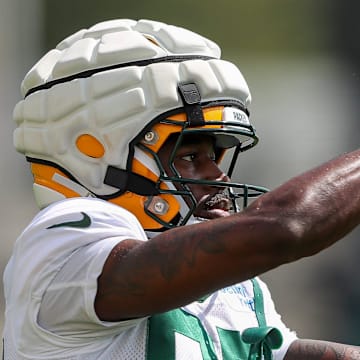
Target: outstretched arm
[(300, 218), (321, 350)]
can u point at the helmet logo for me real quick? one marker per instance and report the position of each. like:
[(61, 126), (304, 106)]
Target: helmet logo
[(237, 115)]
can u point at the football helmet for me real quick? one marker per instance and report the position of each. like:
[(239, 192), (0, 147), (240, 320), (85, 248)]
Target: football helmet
[(98, 107)]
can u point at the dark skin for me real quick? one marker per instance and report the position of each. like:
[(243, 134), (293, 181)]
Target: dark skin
[(298, 219)]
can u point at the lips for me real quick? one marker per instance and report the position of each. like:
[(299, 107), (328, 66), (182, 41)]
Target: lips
[(213, 206)]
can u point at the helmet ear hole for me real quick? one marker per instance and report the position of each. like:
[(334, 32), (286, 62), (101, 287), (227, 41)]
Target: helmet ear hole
[(90, 146)]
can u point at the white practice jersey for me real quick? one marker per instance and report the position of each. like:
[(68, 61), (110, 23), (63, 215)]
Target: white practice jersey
[(50, 285)]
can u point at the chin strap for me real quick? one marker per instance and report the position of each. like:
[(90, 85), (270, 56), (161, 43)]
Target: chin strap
[(125, 180), (128, 181)]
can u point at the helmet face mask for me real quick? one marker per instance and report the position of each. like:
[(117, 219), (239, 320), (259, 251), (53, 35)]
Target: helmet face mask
[(228, 136), (98, 108)]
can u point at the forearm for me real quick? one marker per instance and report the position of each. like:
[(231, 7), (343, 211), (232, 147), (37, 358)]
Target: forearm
[(315, 350), (320, 206)]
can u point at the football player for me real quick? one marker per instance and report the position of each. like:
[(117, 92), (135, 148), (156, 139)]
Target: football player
[(145, 248)]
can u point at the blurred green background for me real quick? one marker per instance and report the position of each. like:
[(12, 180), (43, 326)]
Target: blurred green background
[(301, 61)]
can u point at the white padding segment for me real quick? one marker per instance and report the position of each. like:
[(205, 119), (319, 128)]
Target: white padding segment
[(231, 79), (59, 104), (34, 108), (203, 75), (45, 196), (110, 81), (114, 42), (41, 71), (158, 77), (133, 43), (119, 105), (75, 58)]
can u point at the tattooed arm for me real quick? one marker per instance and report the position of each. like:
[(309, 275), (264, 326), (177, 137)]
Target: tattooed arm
[(303, 349), (300, 218)]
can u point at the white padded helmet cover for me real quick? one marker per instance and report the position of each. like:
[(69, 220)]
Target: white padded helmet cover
[(114, 104)]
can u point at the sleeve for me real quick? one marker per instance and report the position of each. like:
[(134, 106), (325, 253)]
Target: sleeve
[(67, 306), (274, 319)]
